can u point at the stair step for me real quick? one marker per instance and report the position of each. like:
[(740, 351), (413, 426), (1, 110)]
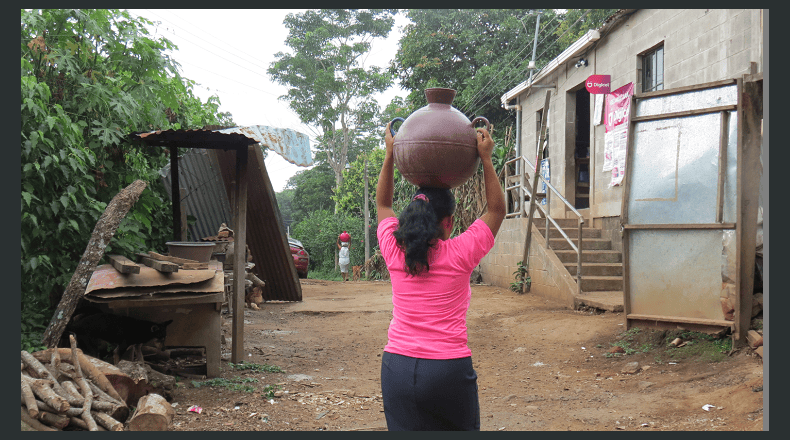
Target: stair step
[(565, 223), (592, 256), (590, 243), (611, 300), (595, 283), (596, 269), (572, 232)]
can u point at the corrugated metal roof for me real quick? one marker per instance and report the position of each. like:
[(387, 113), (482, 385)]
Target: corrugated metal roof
[(265, 234), (205, 199)]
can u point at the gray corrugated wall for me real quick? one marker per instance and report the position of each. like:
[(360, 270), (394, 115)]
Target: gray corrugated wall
[(206, 198)]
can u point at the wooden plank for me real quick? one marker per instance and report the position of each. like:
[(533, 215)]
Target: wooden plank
[(682, 320), (161, 266), (239, 256), (677, 90), (723, 140), (170, 300), (528, 240), (682, 226), (169, 258), (686, 113), (750, 112), (123, 264)]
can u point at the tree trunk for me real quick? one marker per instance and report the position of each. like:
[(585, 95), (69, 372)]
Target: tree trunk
[(102, 234), (153, 414)]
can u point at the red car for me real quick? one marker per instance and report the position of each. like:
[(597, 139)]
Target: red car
[(301, 257)]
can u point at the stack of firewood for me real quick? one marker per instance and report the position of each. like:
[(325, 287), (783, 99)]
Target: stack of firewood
[(59, 392)]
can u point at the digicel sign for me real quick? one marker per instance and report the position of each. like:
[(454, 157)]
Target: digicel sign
[(598, 84)]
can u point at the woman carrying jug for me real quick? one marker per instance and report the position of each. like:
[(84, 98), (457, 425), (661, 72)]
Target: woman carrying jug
[(427, 378)]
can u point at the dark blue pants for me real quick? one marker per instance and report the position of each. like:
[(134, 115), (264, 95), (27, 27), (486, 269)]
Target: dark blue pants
[(429, 394)]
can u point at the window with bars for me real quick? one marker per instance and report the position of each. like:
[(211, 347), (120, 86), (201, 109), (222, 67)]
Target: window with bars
[(653, 70)]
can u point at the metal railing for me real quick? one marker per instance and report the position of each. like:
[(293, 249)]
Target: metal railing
[(524, 189)]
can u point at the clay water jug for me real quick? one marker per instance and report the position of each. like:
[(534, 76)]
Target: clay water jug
[(436, 146)]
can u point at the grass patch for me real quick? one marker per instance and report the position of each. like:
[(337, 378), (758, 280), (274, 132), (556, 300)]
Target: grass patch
[(256, 367), (234, 384), (327, 275), (268, 391), (698, 346)]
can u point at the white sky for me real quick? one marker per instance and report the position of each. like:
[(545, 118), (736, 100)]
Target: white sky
[(227, 52)]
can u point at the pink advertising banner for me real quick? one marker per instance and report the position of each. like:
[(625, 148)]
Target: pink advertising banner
[(618, 105), (617, 118)]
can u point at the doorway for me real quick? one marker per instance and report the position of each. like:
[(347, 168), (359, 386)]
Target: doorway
[(581, 148)]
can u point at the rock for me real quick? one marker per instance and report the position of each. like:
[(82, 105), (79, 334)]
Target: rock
[(508, 398), (643, 385), (617, 349), (759, 351), (630, 368), (531, 408), (520, 350)]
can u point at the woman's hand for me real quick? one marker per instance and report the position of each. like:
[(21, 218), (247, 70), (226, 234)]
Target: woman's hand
[(485, 145), (388, 139)]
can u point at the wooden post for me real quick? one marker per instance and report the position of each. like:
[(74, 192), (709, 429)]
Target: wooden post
[(239, 255), (750, 113), (544, 115), (182, 196), (175, 192), (367, 220)]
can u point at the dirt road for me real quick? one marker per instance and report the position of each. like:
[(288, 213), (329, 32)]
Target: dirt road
[(540, 367)]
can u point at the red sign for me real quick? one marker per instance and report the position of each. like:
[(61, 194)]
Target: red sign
[(598, 84), (618, 106)]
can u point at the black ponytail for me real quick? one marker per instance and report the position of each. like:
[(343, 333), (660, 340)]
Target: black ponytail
[(419, 226)]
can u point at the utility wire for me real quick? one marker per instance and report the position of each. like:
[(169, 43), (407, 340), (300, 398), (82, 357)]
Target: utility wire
[(550, 46), (480, 92)]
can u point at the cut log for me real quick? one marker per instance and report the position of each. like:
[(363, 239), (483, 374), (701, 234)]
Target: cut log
[(153, 414), (102, 235), (76, 399), (146, 381), (161, 266), (79, 423), (41, 388), (85, 389), (35, 424), (89, 365), (43, 373), (107, 421), (123, 264), (29, 400), (54, 420)]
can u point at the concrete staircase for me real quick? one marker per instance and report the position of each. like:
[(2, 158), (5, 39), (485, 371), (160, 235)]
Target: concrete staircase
[(602, 267)]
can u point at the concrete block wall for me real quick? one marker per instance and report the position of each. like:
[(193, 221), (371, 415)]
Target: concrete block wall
[(549, 277)]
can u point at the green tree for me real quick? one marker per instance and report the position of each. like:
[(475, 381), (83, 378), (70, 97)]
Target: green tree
[(312, 191), (482, 53), (318, 233), (329, 86), (88, 79)]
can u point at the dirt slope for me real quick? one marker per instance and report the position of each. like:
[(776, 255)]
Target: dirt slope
[(540, 367)]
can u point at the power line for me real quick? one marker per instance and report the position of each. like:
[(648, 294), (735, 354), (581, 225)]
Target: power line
[(479, 104), (551, 45), (482, 89)]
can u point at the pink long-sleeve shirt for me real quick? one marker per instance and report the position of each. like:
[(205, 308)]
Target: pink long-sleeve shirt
[(429, 310)]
